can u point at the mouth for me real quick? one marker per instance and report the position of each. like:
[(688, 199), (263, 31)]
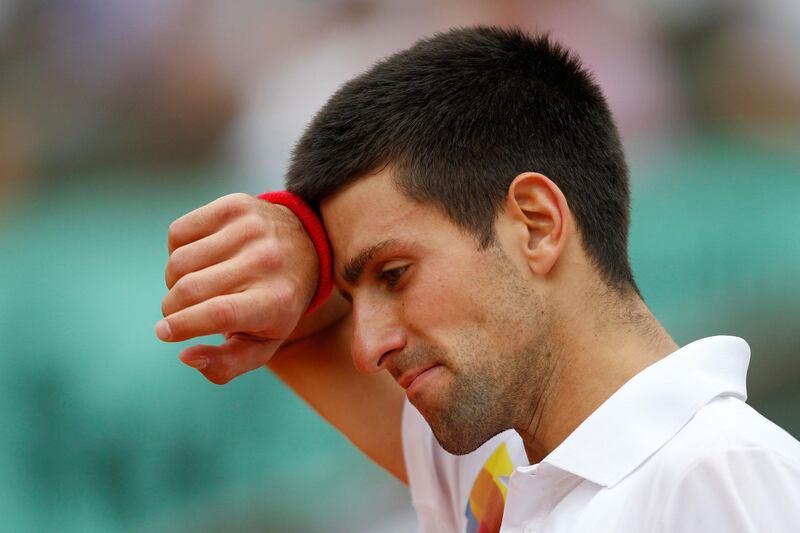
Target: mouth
[(412, 378)]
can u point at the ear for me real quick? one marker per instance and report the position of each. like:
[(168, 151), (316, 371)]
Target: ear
[(537, 203)]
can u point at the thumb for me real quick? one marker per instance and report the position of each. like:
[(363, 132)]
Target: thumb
[(240, 354)]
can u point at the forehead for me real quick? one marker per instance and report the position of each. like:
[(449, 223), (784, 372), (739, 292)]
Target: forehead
[(372, 209)]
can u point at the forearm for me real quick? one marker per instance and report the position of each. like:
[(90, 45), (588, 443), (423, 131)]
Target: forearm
[(318, 367), (331, 312)]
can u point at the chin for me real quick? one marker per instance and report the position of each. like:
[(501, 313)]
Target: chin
[(461, 439), (462, 444), (462, 418), (459, 447)]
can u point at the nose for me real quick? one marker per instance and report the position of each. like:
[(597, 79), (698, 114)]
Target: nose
[(377, 331)]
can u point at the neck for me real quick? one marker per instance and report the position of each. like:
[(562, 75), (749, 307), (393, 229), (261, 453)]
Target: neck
[(596, 355)]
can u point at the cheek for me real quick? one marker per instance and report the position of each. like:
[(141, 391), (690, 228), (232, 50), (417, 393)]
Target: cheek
[(440, 305)]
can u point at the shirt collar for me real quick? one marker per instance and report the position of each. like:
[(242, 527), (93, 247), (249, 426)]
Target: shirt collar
[(649, 409)]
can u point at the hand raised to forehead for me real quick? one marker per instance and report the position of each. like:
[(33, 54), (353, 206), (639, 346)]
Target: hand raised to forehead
[(241, 267)]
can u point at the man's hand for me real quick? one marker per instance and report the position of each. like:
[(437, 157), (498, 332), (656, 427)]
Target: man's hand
[(242, 267)]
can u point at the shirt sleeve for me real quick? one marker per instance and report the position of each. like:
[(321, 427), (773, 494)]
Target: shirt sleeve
[(741, 490)]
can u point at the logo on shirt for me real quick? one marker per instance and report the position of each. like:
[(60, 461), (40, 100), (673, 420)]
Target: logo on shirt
[(488, 495)]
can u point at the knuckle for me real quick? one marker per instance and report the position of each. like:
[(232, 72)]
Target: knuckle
[(218, 379), (251, 228), (186, 288), (174, 231), (170, 277), (223, 314), (238, 198), (234, 204), (176, 264), (217, 374), (266, 257)]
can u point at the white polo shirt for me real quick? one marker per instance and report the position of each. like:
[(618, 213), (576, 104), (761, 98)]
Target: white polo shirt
[(675, 449)]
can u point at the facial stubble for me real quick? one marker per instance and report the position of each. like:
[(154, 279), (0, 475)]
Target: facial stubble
[(498, 372)]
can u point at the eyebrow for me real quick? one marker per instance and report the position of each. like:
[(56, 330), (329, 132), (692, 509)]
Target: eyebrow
[(354, 268)]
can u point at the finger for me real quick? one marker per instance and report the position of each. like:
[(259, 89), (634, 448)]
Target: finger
[(238, 355), (272, 312), (195, 287), (206, 220), (208, 251)]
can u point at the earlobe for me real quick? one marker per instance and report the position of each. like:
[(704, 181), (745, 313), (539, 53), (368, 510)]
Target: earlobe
[(540, 209)]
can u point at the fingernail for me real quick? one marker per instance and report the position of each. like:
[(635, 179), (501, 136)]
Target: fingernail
[(163, 330), (199, 363)]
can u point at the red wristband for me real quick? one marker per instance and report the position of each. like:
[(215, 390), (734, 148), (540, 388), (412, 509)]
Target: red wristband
[(316, 231)]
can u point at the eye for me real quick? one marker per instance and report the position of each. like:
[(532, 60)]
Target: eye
[(392, 276)]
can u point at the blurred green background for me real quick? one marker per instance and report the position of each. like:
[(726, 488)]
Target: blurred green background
[(118, 117)]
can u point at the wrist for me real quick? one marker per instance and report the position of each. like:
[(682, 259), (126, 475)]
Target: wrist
[(316, 232)]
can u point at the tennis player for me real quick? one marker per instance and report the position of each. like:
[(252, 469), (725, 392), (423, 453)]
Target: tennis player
[(486, 342)]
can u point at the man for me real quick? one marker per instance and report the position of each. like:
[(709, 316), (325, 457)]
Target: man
[(475, 196)]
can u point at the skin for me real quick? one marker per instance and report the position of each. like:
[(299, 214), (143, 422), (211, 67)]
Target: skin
[(246, 269), (241, 267), (503, 336), (431, 300), (524, 334)]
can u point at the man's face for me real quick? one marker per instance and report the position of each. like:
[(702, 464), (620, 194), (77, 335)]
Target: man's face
[(458, 327)]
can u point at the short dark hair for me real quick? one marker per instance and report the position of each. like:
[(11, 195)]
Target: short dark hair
[(460, 115)]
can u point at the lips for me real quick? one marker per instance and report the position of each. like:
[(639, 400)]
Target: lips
[(408, 378)]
